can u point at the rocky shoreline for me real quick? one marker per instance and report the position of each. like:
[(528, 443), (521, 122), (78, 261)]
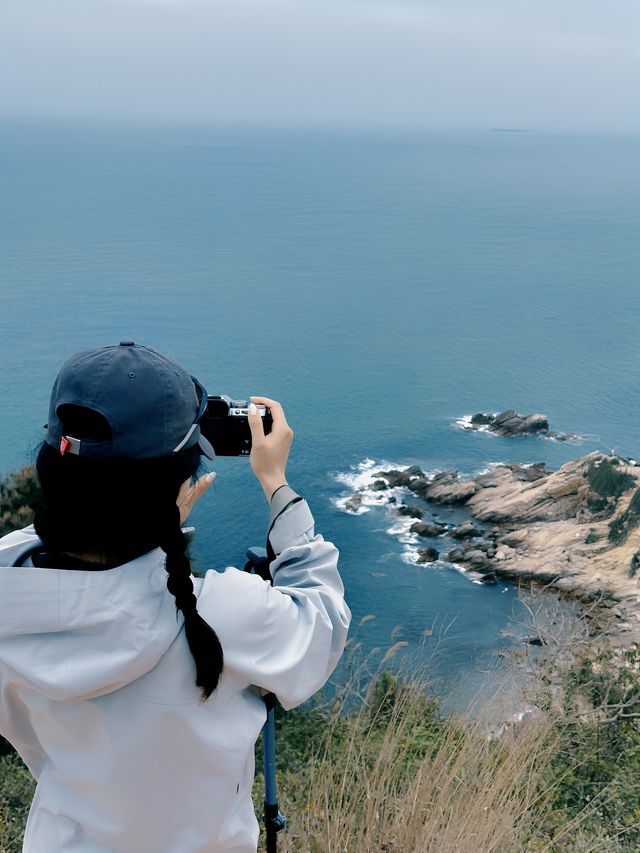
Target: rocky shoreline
[(576, 529)]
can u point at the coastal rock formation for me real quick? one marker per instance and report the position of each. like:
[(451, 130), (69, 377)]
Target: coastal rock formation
[(528, 473), (403, 477), (427, 555), (354, 503), (445, 487), (427, 528), (410, 511), (451, 491), (511, 423), (465, 531), (577, 529)]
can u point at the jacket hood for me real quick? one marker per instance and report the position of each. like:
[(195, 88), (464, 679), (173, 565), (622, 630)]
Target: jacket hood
[(74, 634)]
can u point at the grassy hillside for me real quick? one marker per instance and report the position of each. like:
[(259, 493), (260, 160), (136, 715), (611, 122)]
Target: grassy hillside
[(394, 774)]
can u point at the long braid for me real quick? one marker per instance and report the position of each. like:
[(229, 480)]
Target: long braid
[(82, 510), (202, 639)]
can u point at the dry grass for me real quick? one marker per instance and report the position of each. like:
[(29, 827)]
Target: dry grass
[(400, 779), (380, 769)]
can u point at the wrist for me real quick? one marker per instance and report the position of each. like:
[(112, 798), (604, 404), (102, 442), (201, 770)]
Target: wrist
[(270, 486)]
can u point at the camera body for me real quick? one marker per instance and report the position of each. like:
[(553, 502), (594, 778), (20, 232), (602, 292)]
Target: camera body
[(225, 425)]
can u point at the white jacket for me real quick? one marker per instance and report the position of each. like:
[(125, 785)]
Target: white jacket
[(97, 690)]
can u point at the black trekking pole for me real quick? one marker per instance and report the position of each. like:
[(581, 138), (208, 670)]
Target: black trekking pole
[(274, 821)]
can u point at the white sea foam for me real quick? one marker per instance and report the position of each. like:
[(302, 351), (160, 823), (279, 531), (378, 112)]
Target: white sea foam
[(465, 423), (474, 577), (572, 438), (341, 503), (401, 528), (409, 555), (359, 480), (359, 476), (491, 467)]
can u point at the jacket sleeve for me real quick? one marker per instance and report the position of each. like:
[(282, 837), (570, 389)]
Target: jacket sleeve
[(303, 628)]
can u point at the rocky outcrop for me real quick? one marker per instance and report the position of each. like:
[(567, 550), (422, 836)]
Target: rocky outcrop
[(562, 528), (450, 490), (528, 473), (506, 496), (410, 510), (465, 531), (445, 487), (511, 423), (576, 529), (427, 555), (404, 477), (354, 503), (427, 528)]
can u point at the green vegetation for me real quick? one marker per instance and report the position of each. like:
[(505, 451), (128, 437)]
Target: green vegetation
[(607, 484), (16, 793), (620, 527), (599, 764), (18, 495), (606, 478)]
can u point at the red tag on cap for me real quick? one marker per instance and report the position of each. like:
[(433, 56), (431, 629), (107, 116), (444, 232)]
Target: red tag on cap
[(64, 445)]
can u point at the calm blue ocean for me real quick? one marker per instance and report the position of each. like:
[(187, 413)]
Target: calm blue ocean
[(381, 286)]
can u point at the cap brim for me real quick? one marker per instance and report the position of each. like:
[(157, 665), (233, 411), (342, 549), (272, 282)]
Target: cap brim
[(206, 448)]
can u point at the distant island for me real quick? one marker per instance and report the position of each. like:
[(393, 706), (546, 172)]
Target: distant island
[(509, 130), (511, 423)]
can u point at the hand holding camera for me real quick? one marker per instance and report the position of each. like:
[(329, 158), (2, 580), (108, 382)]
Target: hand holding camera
[(269, 452), (258, 429)]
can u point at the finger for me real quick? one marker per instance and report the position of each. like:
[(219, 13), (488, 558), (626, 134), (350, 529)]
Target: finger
[(203, 484), (277, 412), (255, 425)]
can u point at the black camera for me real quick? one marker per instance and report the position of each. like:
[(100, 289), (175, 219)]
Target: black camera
[(226, 426)]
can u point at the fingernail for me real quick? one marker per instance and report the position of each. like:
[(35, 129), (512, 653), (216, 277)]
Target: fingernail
[(211, 476), (253, 409)]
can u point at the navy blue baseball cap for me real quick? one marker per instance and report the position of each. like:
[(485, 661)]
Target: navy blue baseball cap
[(152, 405)]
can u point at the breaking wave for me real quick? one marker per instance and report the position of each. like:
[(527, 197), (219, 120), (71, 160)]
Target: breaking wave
[(362, 496)]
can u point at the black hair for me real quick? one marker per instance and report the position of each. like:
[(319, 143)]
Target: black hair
[(118, 509)]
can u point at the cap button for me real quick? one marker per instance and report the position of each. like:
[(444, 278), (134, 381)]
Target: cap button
[(127, 343)]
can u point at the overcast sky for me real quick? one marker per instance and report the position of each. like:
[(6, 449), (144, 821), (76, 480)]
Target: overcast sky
[(539, 64)]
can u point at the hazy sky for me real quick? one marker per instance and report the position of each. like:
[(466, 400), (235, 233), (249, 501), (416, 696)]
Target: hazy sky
[(539, 64)]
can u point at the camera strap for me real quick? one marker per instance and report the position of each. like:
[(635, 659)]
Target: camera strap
[(258, 559), (259, 562)]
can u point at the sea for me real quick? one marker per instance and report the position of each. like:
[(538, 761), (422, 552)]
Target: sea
[(382, 285)]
